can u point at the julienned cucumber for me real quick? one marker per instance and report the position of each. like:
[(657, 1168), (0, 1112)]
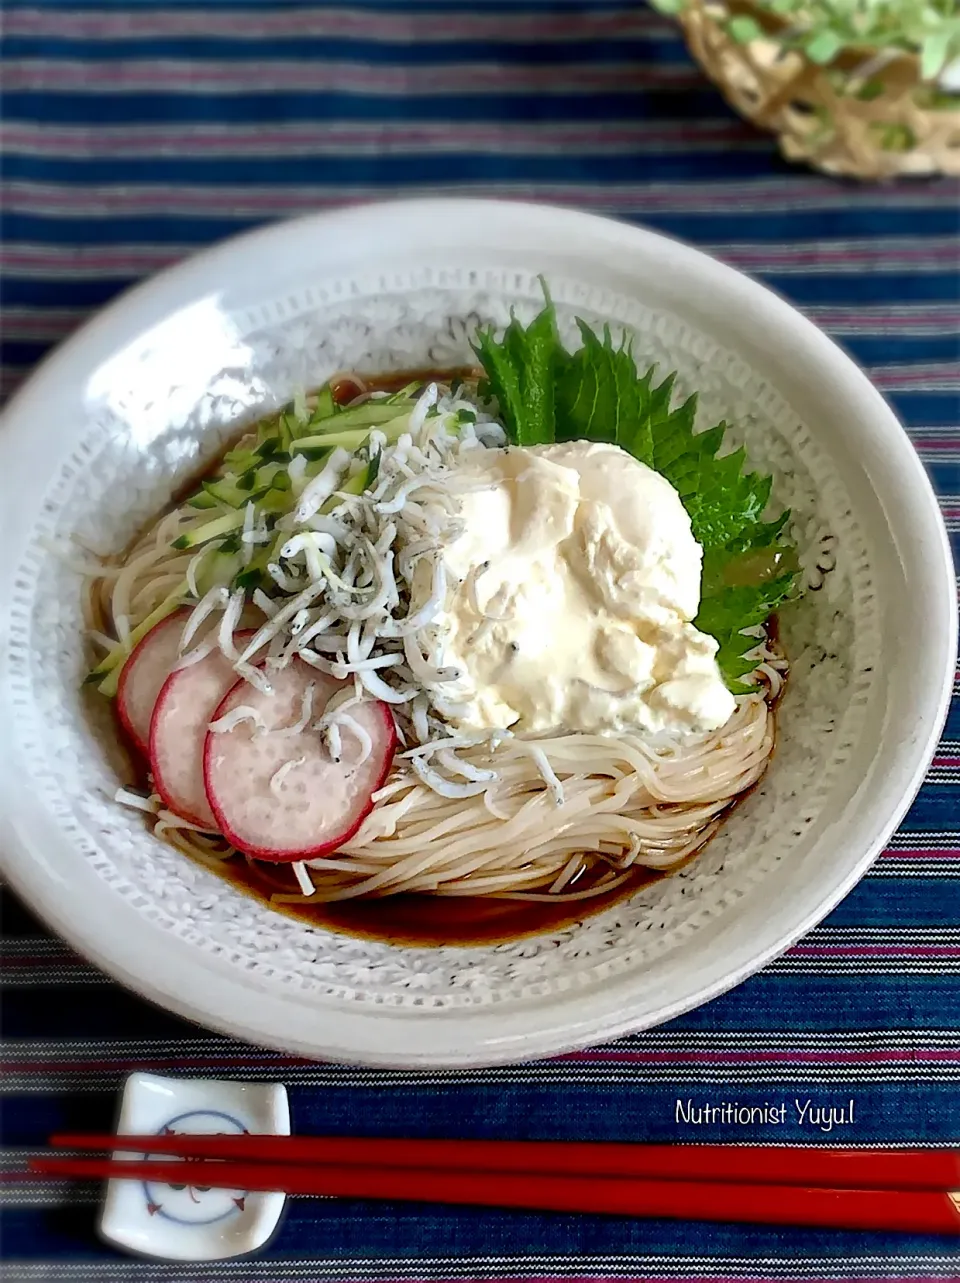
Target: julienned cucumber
[(210, 530), (368, 415), (237, 490), (325, 408), (409, 393), (218, 568), (278, 433), (356, 484), (260, 475), (286, 425), (252, 575), (228, 491), (392, 429), (248, 472), (202, 501)]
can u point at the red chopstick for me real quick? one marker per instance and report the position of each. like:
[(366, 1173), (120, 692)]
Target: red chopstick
[(831, 1168), (914, 1211)]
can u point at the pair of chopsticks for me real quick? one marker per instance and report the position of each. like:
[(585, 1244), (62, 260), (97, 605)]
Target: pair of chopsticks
[(915, 1191)]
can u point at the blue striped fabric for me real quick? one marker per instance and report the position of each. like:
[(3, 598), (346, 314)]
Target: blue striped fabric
[(136, 132)]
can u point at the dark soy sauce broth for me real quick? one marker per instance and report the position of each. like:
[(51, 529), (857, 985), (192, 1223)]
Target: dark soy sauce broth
[(424, 919), (418, 920)]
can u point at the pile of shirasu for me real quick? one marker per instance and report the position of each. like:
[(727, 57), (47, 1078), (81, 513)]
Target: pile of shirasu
[(357, 590)]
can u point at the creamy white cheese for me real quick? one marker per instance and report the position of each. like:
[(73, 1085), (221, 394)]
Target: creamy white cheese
[(570, 597)]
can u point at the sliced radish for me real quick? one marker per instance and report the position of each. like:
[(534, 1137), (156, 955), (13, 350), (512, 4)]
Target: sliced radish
[(315, 804), (144, 674), (184, 708)]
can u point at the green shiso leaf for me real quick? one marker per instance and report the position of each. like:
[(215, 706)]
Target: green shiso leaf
[(726, 613), (547, 394), (597, 396), (520, 374)]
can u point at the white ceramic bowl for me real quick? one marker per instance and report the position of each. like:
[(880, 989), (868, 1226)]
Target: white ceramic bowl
[(108, 427)]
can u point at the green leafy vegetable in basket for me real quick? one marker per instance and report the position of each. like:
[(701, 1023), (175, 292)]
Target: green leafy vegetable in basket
[(823, 29)]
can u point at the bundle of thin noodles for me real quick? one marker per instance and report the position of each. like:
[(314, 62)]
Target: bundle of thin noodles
[(623, 804)]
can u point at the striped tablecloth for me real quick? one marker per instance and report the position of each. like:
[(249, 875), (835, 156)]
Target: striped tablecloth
[(136, 132)]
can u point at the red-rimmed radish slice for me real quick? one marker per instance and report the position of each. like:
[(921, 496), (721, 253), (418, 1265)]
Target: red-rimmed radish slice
[(282, 797), (145, 672), (184, 708)]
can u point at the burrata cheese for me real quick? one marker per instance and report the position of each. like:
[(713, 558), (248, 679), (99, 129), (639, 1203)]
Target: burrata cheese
[(570, 597)]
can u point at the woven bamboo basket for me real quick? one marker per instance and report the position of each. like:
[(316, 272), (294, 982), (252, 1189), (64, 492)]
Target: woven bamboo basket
[(864, 115)]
